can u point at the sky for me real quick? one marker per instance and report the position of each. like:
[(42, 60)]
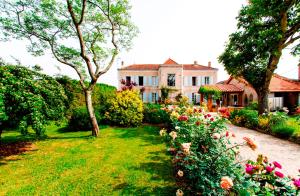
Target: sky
[(184, 30)]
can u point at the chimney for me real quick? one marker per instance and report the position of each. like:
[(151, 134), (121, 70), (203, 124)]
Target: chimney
[(209, 64), (122, 63), (195, 63)]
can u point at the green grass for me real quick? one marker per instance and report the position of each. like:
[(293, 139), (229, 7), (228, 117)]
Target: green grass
[(121, 161)]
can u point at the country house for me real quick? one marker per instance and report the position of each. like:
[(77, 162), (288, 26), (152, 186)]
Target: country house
[(183, 78)]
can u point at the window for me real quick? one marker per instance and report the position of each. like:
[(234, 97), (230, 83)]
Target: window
[(206, 80), (154, 78), (128, 80), (153, 97), (194, 81), (171, 79), (141, 81)]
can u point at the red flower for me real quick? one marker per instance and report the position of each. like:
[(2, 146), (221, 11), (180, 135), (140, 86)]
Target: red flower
[(183, 118), (276, 164), (227, 133), (212, 119), (208, 115), (279, 174), (198, 123), (269, 169)]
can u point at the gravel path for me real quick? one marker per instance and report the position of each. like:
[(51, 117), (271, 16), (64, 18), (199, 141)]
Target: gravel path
[(282, 151)]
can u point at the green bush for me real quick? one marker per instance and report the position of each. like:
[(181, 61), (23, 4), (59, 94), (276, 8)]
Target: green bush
[(155, 115), (80, 120), (252, 106), (29, 99), (245, 117), (125, 109), (283, 130)]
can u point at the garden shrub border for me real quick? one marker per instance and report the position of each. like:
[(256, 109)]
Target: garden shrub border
[(292, 138)]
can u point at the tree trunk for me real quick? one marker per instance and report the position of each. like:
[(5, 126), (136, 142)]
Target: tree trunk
[(90, 108), (262, 101)]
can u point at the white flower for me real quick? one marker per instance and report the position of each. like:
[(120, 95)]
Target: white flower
[(177, 127), (186, 147), (162, 132), (179, 192), (216, 136), (180, 173), (173, 134)]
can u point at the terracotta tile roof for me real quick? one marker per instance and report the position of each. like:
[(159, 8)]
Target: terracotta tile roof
[(226, 88), (282, 84), (141, 67), (167, 62), (170, 62)]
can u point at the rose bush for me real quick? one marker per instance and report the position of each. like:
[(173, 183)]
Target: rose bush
[(205, 159)]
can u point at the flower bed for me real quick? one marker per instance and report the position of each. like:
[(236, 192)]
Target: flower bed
[(274, 123), (205, 159)]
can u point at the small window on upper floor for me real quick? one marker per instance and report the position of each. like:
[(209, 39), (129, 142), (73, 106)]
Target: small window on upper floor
[(171, 79), (194, 81), (206, 80), (141, 80)]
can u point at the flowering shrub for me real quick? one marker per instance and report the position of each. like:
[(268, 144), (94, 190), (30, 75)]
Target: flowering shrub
[(245, 117), (265, 178), (204, 156), (205, 159), (125, 109)]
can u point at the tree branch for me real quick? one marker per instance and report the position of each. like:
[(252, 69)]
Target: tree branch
[(82, 11), (81, 42), (291, 40)]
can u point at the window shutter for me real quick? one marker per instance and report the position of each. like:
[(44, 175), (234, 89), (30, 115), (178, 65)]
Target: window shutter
[(190, 97), (157, 81), (199, 81), (150, 81), (186, 80), (150, 97), (144, 97), (156, 96), (211, 80)]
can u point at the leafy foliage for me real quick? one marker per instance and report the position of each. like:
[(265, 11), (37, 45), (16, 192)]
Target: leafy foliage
[(155, 115), (85, 35), (29, 98), (79, 120), (210, 91), (245, 117), (125, 109), (264, 29), (102, 92)]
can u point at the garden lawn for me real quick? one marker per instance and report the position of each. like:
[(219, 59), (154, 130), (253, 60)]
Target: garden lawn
[(120, 161)]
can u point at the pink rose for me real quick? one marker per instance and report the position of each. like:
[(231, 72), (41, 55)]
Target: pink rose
[(249, 169), (279, 174), (276, 164), (297, 183), (269, 169)]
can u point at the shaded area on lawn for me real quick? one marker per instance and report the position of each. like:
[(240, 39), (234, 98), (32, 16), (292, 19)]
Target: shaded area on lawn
[(121, 161)]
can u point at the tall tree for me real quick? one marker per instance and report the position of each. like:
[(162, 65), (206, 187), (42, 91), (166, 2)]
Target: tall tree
[(85, 35), (265, 29)]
